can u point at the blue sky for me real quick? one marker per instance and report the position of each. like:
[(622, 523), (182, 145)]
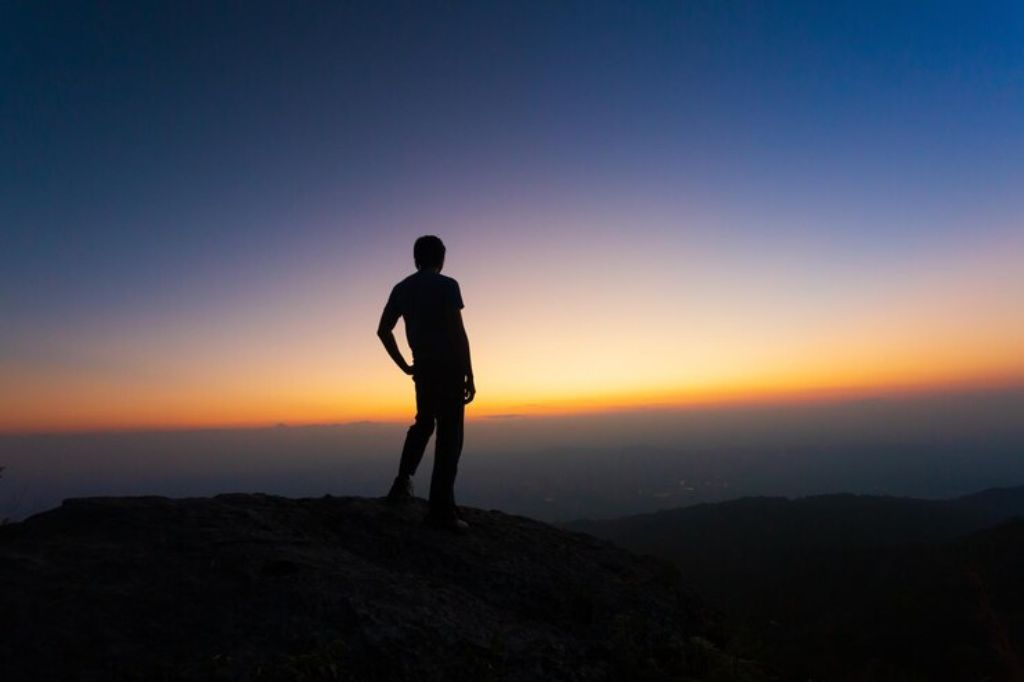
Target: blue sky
[(167, 164)]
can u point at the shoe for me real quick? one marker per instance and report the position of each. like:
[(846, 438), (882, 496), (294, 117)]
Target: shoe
[(401, 489), (446, 522)]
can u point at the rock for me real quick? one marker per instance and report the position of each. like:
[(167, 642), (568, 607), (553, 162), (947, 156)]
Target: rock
[(253, 587)]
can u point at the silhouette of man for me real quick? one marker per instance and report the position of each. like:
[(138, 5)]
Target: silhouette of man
[(431, 305)]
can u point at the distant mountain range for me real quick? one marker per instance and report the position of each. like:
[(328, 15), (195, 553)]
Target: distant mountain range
[(854, 587), (821, 521)]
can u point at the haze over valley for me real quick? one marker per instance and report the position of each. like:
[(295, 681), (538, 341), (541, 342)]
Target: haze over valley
[(562, 468)]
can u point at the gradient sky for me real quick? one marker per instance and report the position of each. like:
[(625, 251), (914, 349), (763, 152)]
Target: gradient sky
[(204, 205)]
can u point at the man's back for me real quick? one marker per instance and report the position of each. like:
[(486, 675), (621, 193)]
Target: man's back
[(427, 301)]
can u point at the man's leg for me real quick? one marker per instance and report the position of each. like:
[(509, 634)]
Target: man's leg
[(415, 444), (447, 450), (415, 440)]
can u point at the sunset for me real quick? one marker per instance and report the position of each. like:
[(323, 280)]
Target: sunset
[(706, 251), (194, 241)]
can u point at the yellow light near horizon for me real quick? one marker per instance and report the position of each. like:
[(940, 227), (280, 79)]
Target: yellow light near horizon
[(545, 346)]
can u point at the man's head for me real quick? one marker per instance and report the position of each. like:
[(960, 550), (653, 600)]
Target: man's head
[(428, 252)]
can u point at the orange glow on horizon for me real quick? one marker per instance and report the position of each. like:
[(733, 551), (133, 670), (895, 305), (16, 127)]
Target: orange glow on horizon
[(255, 415)]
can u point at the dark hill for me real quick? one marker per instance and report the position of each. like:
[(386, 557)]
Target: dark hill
[(821, 520), (850, 587), (735, 551), (254, 587), (951, 610)]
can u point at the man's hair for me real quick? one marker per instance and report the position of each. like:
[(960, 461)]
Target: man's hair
[(428, 252)]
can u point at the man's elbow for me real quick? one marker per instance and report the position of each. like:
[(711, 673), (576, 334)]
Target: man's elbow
[(383, 333)]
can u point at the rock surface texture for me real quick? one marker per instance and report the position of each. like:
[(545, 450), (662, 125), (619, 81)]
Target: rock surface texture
[(252, 587)]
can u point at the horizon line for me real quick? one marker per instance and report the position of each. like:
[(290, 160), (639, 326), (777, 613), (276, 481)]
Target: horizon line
[(820, 395)]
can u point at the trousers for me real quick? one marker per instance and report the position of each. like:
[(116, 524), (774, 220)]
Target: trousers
[(439, 401)]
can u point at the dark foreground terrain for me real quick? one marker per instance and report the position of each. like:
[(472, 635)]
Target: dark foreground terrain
[(253, 587)]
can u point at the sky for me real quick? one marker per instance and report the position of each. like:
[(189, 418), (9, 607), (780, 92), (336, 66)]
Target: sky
[(203, 206)]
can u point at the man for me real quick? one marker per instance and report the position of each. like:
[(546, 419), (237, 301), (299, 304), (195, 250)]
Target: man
[(430, 304)]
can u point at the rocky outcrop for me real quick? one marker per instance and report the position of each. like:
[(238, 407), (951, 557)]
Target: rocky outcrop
[(252, 587)]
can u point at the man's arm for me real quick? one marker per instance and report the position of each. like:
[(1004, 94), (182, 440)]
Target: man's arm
[(462, 340), (385, 332)]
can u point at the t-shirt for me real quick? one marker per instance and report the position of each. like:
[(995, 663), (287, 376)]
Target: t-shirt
[(426, 300)]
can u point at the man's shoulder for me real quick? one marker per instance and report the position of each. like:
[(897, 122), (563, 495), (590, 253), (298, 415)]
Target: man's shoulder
[(427, 279), (405, 282), (408, 279), (420, 281)]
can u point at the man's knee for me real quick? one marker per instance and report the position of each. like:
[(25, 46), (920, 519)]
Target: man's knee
[(423, 426)]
